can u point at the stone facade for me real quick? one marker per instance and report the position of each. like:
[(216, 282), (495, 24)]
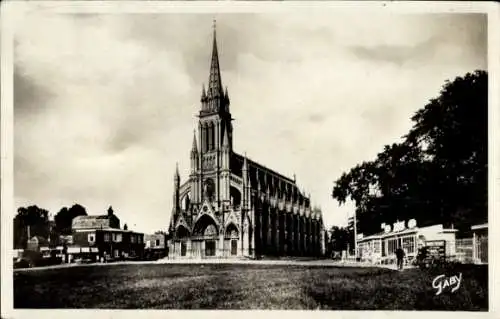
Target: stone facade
[(232, 206)]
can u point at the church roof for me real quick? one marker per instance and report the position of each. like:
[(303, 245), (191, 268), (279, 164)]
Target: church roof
[(255, 168)]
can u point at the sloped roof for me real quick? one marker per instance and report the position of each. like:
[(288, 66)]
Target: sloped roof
[(91, 221)]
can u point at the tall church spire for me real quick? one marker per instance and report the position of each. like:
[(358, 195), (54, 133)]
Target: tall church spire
[(177, 177), (225, 141), (194, 148), (215, 81)]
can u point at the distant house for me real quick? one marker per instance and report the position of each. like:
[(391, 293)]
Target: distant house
[(156, 246), (107, 243), (36, 242), (98, 237)]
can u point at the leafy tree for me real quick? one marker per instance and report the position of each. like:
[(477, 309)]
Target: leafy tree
[(65, 216), (453, 133), (340, 238), (438, 173), (30, 221)]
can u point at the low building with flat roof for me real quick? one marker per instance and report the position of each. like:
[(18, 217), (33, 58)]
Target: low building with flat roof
[(381, 247)]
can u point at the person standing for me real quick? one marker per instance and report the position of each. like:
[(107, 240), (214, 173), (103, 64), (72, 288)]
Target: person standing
[(400, 254)]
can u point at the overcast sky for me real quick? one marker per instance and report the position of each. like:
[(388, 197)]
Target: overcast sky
[(105, 104)]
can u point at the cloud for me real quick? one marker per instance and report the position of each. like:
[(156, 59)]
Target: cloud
[(105, 105)]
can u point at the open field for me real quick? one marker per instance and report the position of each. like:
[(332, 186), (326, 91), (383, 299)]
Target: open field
[(233, 286)]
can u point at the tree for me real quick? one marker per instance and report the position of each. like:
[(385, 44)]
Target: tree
[(340, 238), (125, 227), (64, 218), (30, 221), (453, 133), (438, 173)]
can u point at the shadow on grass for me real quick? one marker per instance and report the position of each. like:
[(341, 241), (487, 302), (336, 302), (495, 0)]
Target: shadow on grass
[(227, 286)]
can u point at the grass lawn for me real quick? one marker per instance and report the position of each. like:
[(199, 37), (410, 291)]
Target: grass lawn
[(212, 286)]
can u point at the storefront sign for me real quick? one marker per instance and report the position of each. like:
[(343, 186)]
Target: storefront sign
[(399, 226), (436, 249)]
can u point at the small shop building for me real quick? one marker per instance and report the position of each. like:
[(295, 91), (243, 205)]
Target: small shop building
[(155, 246), (380, 248)]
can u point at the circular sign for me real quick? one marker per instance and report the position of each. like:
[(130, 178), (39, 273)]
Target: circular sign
[(412, 223)]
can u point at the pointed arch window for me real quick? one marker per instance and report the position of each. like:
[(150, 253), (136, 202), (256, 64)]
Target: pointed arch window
[(205, 137), (209, 136), (210, 231), (211, 132), (214, 141), (202, 137)]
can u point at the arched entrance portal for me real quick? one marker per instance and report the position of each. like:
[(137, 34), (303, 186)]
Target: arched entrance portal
[(205, 237), (231, 240)]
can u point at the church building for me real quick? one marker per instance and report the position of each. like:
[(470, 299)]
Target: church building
[(232, 206)]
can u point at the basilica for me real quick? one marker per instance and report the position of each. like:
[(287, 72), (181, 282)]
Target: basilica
[(232, 206)]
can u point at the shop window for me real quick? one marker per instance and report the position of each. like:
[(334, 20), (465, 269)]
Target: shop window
[(409, 244), (392, 246)]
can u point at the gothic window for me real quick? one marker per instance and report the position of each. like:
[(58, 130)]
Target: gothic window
[(185, 202), (210, 231), (208, 188), (202, 137), (205, 137), (213, 136), (235, 196), (209, 136), (182, 232), (232, 231)]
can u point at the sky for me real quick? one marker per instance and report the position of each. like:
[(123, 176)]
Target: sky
[(105, 105)]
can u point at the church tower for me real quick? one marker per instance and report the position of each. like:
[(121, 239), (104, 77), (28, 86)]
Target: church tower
[(231, 205), (215, 135)]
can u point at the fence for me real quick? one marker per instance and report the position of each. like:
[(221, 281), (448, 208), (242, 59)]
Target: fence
[(480, 251), (464, 250)]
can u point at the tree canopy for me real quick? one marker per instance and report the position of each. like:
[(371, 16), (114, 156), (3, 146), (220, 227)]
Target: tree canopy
[(35, 220), (438, 173), (65, 216), (30, 221)]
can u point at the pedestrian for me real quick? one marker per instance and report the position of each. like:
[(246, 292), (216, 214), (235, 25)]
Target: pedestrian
[(400, 254)]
